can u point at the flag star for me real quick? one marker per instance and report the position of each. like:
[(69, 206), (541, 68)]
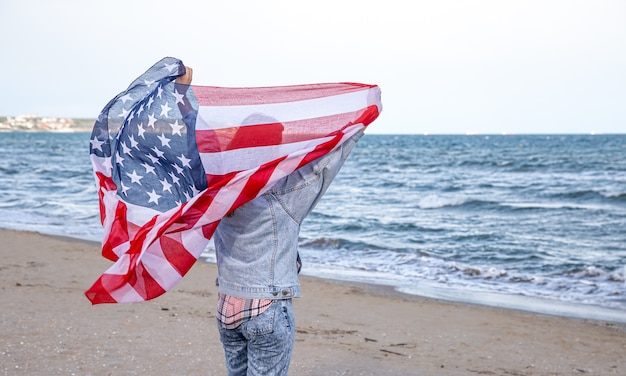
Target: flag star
[(134, 178), (159, 92), (165, 109), (187, 196), (97, 144), (126, 148), (124, 188), (133, 144), (178, 169), (151, 120), (185, 161), (148, 83), (150, 101), (178, 202), (194, 190), (119, 160), (125, 98), (166, 185), (176, 127), (158, 152), (175, 178), (154, 197), (179, 97), (141, 130), (149, 168), (164, 140), (124, 113), (153, 159), (171, 67), (140, 109)]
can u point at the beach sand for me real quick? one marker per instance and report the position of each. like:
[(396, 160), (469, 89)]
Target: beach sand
[(50, 328)]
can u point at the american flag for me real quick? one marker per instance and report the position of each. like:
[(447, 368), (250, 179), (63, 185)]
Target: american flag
[(171, 160)]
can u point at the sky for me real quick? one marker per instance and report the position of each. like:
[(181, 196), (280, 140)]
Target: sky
[(444, 67)]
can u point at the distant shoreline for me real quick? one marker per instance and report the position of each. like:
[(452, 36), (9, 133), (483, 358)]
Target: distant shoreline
[(34, 123)]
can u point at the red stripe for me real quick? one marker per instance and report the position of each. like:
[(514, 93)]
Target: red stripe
[(224, 96), (176, 253), (144, 284), (107, 183), (118, 234), (256, 183), (98, 293), (218, 140)]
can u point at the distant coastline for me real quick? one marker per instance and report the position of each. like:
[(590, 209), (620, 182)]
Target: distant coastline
[(34, 123)]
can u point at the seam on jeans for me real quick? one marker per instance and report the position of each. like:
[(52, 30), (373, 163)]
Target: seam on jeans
[(275, 241)]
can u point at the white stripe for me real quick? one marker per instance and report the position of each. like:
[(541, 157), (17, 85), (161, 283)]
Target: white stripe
[(192, 240), (126, 294), (159, 267), (248, 158), (121, 266), (217, 117)]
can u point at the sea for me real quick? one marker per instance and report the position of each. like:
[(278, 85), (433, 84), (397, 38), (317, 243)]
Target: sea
[(525, 222)]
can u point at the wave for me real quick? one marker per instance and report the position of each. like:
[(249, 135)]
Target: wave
[(434, 201)]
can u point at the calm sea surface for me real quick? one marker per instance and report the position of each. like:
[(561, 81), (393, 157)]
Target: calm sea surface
[(529, 222)]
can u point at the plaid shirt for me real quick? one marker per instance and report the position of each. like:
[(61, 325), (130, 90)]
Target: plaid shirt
[(233, 311)]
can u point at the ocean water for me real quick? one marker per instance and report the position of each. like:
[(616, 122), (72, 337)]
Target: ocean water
[(532, 222)]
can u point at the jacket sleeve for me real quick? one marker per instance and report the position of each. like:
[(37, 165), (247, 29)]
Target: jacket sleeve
[(299, 192)]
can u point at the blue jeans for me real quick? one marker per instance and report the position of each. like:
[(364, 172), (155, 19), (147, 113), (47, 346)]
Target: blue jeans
[(263, 345)]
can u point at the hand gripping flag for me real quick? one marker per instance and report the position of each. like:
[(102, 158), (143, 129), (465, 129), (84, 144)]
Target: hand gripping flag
[(171, 160)]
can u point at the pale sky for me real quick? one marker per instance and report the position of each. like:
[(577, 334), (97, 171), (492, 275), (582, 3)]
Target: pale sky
[(545, 66)]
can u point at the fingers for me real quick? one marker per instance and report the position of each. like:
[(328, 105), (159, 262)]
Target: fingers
[(186, 78)]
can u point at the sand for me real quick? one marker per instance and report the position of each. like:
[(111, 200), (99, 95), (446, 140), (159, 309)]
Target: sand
[(48, 327)]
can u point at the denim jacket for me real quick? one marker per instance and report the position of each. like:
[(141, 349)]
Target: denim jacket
[(257, 246)]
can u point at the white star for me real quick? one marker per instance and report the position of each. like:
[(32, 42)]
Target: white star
[(150, 101), (134, 178), (133, 143), (184, 161), (119, 160), (179, 97), (164, 140), (175, 178), (165, 109), (149, 168), (151, 120), (159, 91), (166, 186), (141, 108), (178, 169), (153, 159), (176, 127), (158, 152), (126, 148), (124, 113), (154, 197), (97, 144), (148, 83), (141, 130), (194, 190), (124, 188), (171, 67), (187, 197), (125, 98)]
